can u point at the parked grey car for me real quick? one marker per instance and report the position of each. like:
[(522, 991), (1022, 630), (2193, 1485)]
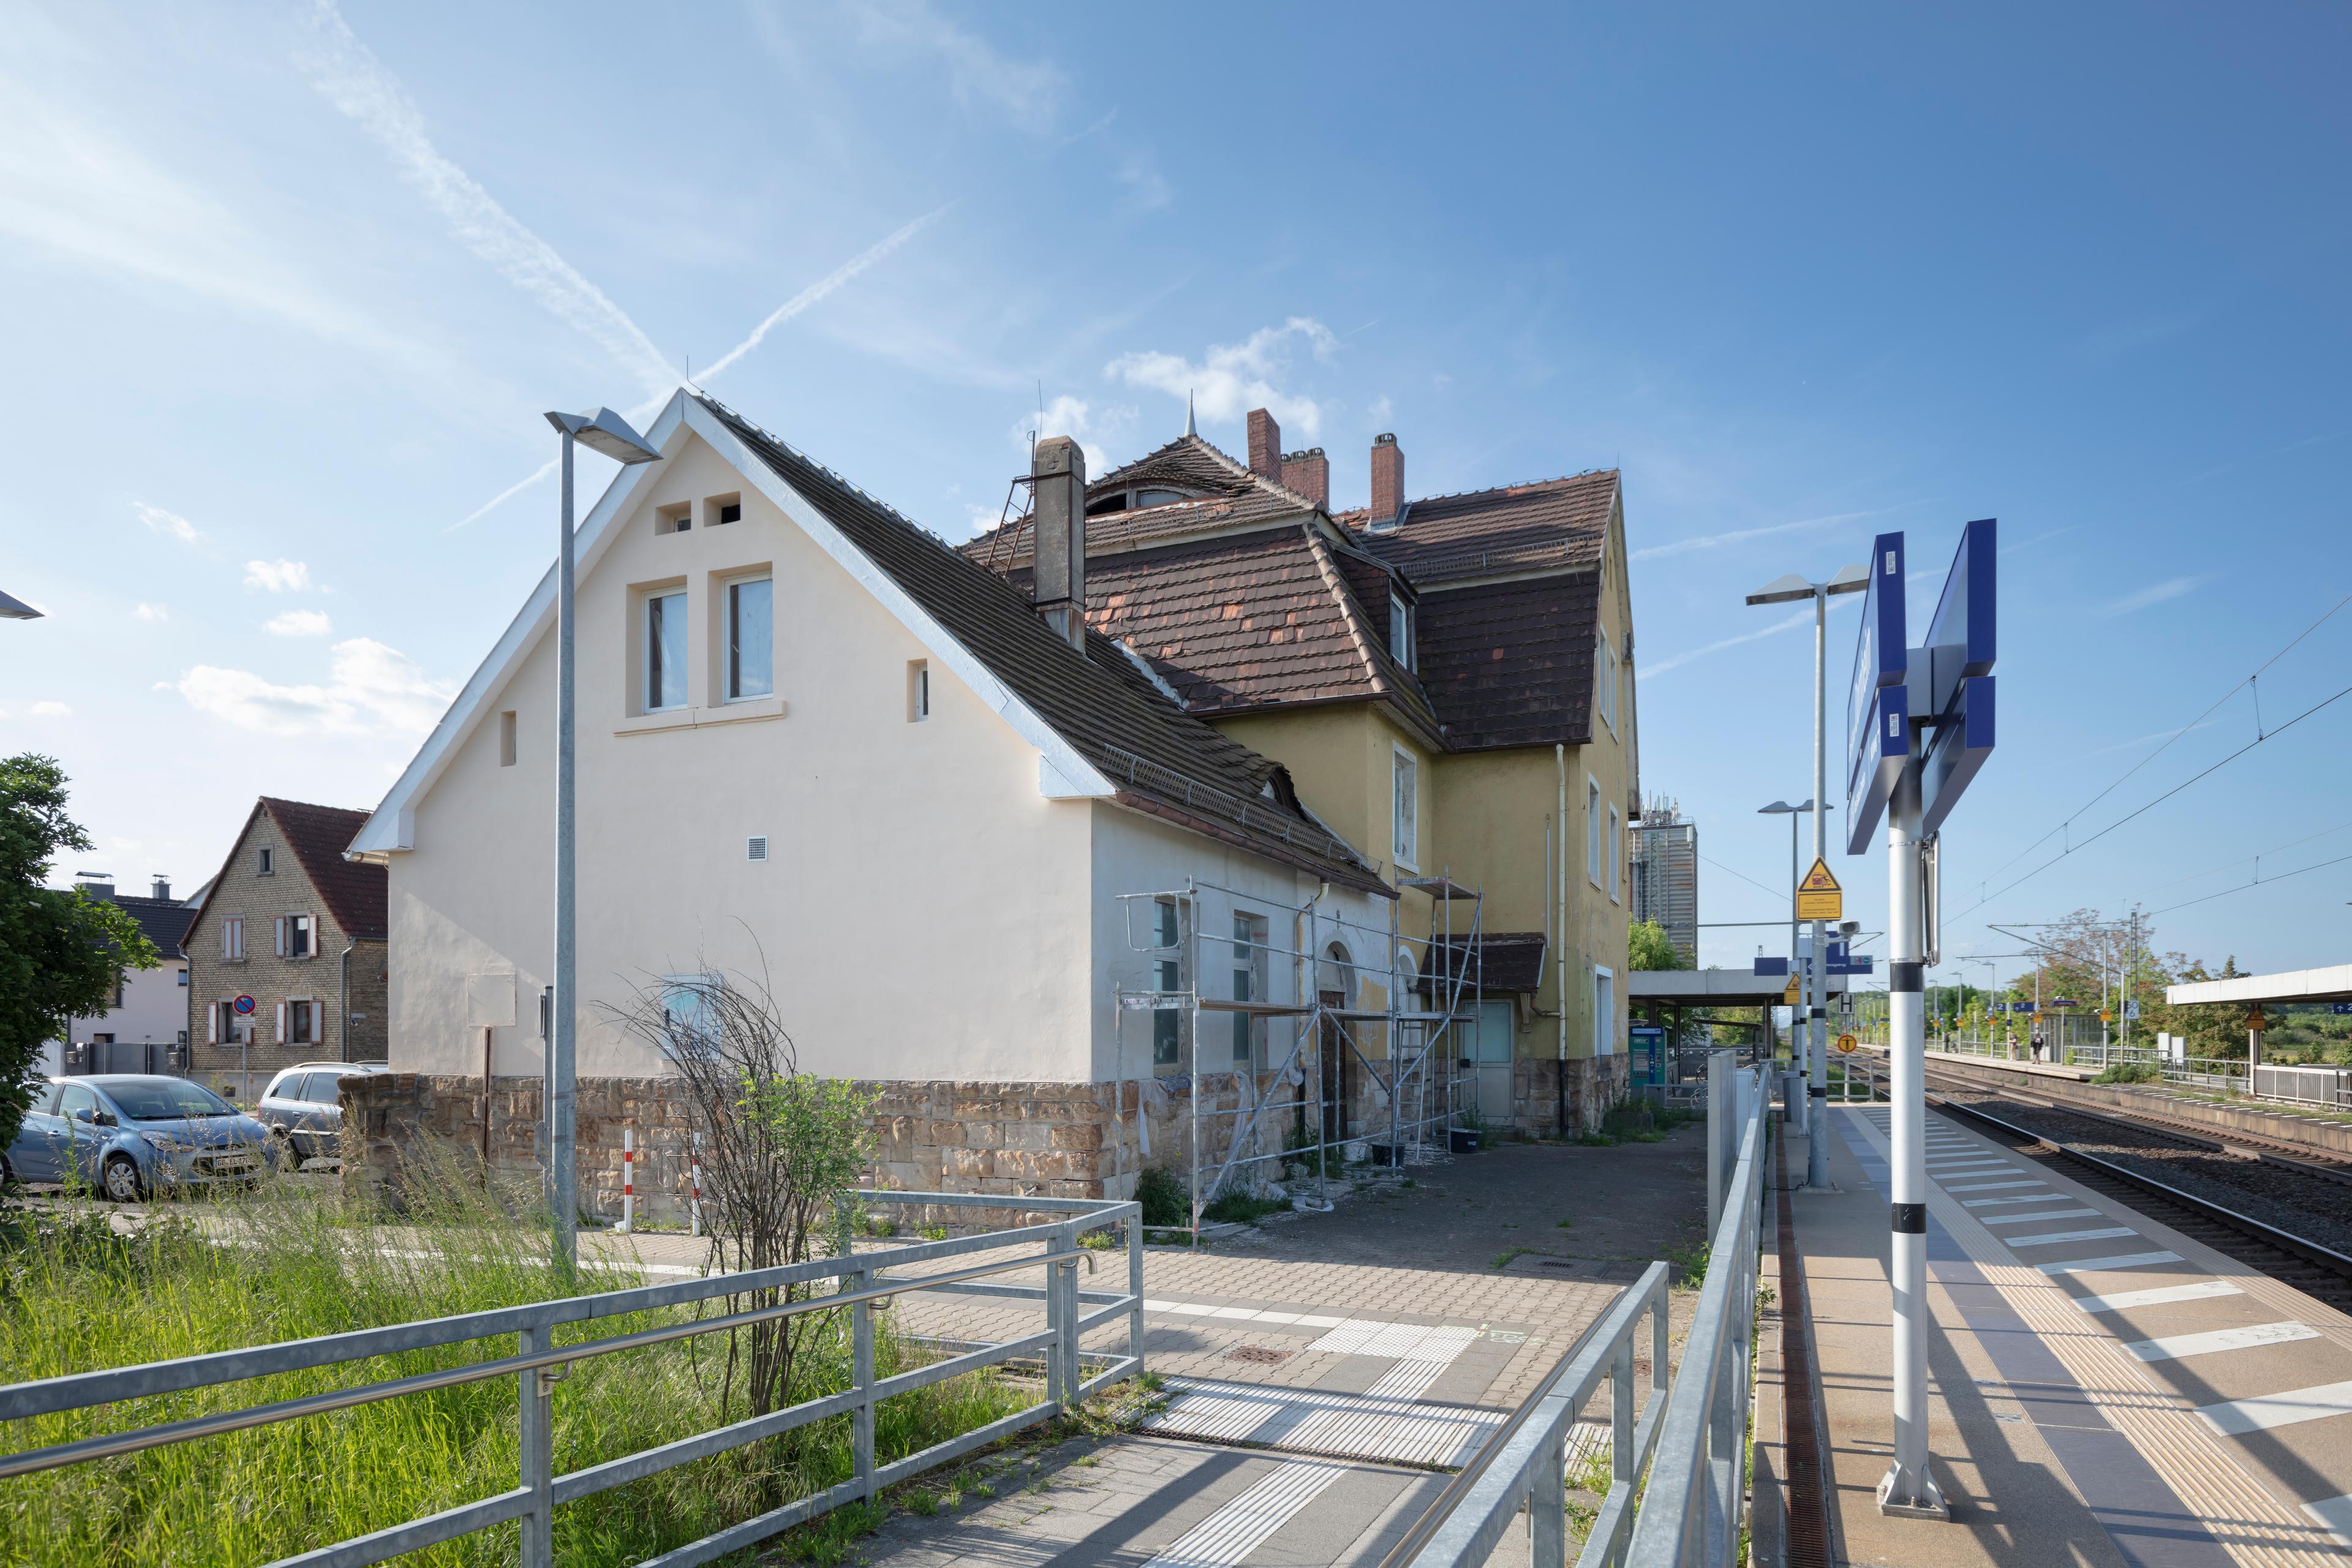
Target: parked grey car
[(127, 1134), (301, 1105)]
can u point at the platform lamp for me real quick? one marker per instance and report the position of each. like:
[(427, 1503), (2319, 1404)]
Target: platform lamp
[(1787, 590), (602, 430)]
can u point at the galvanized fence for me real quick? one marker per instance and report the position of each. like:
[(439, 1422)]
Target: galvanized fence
[(539, 1363), (1687, 1438)]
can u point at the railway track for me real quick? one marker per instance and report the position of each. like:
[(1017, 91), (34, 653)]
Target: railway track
[(2318, 1270)]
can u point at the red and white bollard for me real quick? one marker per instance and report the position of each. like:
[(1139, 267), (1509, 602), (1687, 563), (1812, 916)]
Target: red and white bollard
[(695, 1209), (629, 1180)]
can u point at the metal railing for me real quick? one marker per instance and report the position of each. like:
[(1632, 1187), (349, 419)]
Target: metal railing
[(1689, 1436), (541, 1362)]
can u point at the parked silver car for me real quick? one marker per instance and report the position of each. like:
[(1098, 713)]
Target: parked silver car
[(302, 1107)]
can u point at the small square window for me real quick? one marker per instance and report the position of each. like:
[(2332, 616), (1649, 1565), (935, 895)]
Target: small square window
[(721, 510), (507, 739), (675, 519), (265, 864), (919, 691)]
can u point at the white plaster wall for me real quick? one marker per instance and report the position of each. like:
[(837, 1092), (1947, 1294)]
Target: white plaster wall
[(923, 912), (154, 1007)]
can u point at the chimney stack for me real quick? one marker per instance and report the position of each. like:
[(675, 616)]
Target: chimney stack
[(1309, 473), (1388, 479), (163, 887), (97, 885), (1058, 501), (1264, 445)]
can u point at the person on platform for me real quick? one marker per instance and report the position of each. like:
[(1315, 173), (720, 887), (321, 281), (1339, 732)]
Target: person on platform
[(2013, 1044), (2037, 1042)]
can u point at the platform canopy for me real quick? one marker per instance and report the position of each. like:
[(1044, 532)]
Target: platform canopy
[(2331, 984), (1714, 987)]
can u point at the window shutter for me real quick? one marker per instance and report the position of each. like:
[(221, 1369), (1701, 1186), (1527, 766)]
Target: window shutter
[(310, 924), (318, 1020), (212, 1025), (281, 936), (281, 1023)]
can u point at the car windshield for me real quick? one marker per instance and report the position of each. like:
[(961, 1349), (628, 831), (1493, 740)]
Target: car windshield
[(166, 1100)]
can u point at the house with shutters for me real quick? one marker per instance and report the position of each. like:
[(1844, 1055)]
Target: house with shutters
[(1448, 680), (287, 959)]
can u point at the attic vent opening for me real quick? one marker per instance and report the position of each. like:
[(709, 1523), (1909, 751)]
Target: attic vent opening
[(756, 847)]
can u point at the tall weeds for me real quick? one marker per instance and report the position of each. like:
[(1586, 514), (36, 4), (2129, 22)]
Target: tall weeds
[(288, 1264)]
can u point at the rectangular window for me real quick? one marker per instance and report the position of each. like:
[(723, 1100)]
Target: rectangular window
[(1249, 982), (690, 1008), (1166, 975), (266, 863), (1401, 630), (719, 510), (507, 736), (919, 691), (302, 1022), (1616, 851), (1407, 802), (677, 518), (1593, 831), (297, 942), (180, 976), (664, 651), (751, 638), (233, 937), (1604, 1012)]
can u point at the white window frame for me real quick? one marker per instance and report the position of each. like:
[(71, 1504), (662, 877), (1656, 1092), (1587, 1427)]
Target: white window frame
[(233, 939), (1405, 827), (1249, 933), (726, 634), (1604, 678), (646, 687), (286, 929), (1166, 975), (1616, 854), (1605, 1013), (265, 861), (1592, 829), (919, 691), (1401, 630)]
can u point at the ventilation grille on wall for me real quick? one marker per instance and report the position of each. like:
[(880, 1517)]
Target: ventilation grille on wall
[(756, 847)]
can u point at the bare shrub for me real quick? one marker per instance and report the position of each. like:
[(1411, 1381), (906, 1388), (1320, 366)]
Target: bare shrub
[(780, 1147)]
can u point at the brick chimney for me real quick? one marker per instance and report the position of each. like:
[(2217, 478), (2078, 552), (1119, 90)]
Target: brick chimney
[(1388, 479), (1058, 495), (1309, 473), (1264, 445)]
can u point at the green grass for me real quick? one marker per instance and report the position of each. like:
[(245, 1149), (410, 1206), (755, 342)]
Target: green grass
[(1241, 1208), (2131, 1072), (1503, 1259), (74, 1297)]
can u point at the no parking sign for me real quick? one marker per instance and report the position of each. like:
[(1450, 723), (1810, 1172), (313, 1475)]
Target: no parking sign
[(243, 1004)]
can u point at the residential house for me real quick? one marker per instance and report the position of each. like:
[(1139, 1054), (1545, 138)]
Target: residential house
[(823, 753), (146, 1030), (287, 957), (1448, 681)]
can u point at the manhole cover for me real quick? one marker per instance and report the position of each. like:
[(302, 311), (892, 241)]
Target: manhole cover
[(1258, 1354)]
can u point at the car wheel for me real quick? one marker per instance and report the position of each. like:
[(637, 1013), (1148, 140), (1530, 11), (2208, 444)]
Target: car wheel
[(7, 1173), (121, 1179)]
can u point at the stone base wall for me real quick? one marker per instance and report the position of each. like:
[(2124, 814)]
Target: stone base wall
[(1594, 1084)]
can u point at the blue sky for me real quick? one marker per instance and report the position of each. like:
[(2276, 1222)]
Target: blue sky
[(290, 285)]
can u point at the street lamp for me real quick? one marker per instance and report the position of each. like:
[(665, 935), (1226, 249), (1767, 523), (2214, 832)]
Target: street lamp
[(1785, 590), (603, 431)]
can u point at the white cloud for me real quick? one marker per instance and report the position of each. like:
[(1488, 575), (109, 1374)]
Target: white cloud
[(1381, 410), (1028, 92), (1083, 422), (2155, 594), (170, 524), (1147, 191), (1740, 536), (371, 690), (281, 576), (1802, 618), (300, 624), (146, 612), (51, 711), (1234, 378), (356, 83)]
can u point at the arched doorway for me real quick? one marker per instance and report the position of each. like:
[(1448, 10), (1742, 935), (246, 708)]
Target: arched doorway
[(1334, 986)]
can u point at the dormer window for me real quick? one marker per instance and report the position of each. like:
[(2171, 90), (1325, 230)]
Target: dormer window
[(1134, 501), (1159, 498), (1400, 618)]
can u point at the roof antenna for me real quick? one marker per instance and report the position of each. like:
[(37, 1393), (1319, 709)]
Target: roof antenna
[(1189, 428)]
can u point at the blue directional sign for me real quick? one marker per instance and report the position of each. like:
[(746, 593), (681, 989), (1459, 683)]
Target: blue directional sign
[(2340, 1009), (1957, 694), (1878, 711), (1771, 968)]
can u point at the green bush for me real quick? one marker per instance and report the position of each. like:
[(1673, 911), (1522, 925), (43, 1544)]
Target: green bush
[(1165, 1201), (2131, 1072), (1239, 1207)]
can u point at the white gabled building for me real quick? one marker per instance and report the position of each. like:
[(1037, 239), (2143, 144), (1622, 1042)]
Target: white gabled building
[(818, 747)]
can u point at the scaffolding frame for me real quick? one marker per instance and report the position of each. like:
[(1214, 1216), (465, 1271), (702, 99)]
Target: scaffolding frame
[(1450, 973)]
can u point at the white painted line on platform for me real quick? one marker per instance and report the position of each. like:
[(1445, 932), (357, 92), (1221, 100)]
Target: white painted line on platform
[(2044, 1214), (2052, 1238), (1402, 1341), (2021, 1198), (2160, 1296), (1357, 1425), (1229, 1535), (2236, 1417), (1247, 1314), (2176, 1347), (1992, 1186), (2099, 1265), (2334, 1516)]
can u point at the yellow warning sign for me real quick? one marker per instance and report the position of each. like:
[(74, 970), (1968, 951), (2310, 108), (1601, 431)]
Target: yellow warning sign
[(1845, 1042), (1789, 996), (1819, 897)]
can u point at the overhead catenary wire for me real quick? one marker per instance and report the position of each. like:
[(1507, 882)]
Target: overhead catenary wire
[(2258, 881)]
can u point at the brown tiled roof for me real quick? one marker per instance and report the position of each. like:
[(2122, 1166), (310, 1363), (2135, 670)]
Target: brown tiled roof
[(1163, 760), (1511, 664), (353, 889), (1225, 496), (1516, 528), (1496, 961)]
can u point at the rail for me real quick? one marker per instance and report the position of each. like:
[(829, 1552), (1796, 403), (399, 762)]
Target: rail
[(860, 1280), (1689, 1436)]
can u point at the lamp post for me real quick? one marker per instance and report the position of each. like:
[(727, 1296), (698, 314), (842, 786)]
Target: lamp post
[(1783, 591), (1796, 1034), (603, 431)]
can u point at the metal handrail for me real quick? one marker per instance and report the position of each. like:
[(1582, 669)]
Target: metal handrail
[(1689, 1436), (864, 1278)]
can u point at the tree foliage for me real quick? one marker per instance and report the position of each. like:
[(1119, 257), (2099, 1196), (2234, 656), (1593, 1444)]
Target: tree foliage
[(1650, 948), (61, 954)]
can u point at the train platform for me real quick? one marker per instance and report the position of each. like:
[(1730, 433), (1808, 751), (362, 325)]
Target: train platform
[(2103, 1391), (2058, 1072)]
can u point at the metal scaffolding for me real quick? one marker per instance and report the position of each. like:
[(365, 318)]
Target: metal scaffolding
[(1427, 1027)]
